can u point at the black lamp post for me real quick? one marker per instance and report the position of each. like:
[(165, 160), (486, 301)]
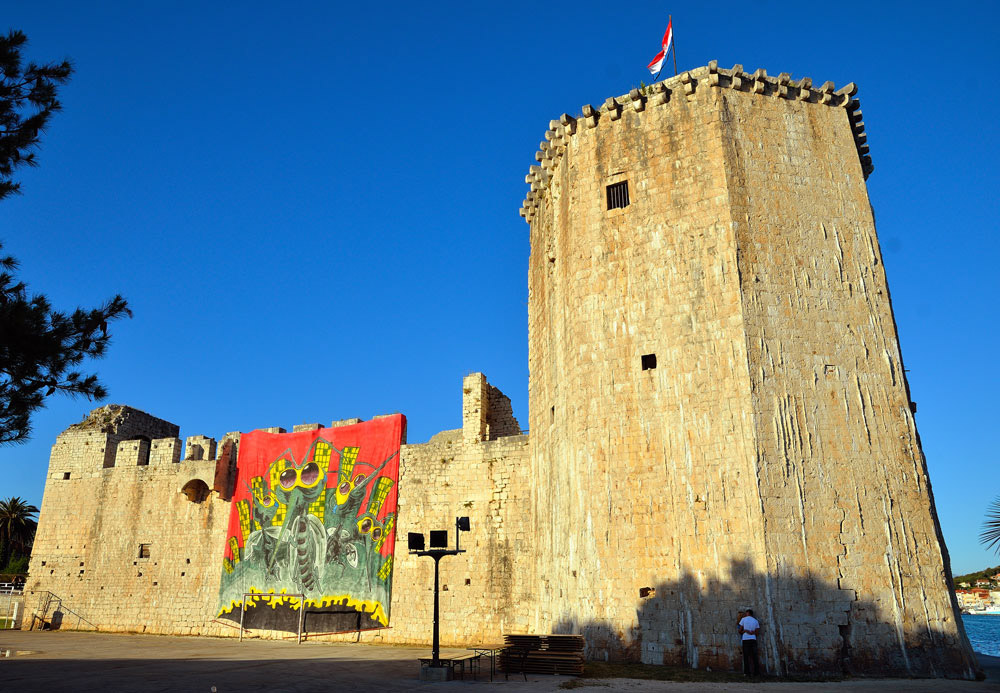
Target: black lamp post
[(439, 549)]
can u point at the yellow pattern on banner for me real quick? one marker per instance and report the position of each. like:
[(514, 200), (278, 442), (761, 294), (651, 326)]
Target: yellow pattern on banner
[(234, 549), (318, 506), (244, 510), (386, 568), (276, 469), (382, 488), (364, 606), (347, 461), (323, 454), (390, 522)]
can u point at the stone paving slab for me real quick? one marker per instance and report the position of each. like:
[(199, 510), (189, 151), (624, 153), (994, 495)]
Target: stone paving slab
[(74, 661)]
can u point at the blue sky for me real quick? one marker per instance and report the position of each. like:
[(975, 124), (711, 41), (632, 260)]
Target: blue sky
[(312, 207)]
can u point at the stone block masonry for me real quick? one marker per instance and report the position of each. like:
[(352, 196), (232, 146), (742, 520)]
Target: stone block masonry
[(130, 542), (718, 409), (135, 547)]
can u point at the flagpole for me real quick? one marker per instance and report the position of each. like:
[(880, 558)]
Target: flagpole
[(670, 19)]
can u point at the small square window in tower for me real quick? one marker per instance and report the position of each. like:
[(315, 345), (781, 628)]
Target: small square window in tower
[(144, 550), (648, 362), (618, 195)]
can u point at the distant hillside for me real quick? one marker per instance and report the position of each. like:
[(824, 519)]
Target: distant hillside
[(983, 574)]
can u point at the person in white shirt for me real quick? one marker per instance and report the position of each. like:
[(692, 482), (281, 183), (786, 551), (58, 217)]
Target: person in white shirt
[(749, 627)]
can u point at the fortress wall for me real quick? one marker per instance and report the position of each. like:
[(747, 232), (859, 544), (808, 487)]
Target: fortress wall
[(100, 516), (768, 458), (477, 473), (644, 478), (483, 591), (91, 527), (851, 538)]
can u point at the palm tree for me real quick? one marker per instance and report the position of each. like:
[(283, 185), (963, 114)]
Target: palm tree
[(990, 536), (17, 527)]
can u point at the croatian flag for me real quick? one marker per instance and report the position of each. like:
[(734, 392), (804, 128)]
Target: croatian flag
[(657, 64)]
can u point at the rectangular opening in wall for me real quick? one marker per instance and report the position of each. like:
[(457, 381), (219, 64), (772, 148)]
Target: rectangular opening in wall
[(648, 362), (618, 195), (144, 550), (65, 475), (552, 414)]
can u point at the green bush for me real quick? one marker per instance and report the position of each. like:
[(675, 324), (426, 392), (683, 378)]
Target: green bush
[(16, 564)]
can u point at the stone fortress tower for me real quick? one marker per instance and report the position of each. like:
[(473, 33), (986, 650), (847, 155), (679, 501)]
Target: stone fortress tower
[(718, 410), (719, 413)]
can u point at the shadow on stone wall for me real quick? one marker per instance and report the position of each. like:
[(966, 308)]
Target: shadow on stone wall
[(808, 627)]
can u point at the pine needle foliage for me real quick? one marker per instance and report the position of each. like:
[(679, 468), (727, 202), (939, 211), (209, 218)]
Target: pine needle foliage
[(27, 102), (39, 346)]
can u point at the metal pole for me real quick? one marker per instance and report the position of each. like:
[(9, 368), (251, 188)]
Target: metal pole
[(243, 610), (670, 19), (436, 650), (302, 618)]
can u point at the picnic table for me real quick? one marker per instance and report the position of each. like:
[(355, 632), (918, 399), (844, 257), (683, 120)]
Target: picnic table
[(491, 651), (456, 663)]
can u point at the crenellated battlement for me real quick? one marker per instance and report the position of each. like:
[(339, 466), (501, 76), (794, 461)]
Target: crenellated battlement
[(165, 451), (687, 85), (117, 436)]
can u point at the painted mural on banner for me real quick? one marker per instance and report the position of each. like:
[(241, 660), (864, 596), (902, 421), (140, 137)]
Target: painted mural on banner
[(314, 519)]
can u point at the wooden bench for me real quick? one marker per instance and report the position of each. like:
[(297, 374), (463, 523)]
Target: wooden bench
[(458, 663)]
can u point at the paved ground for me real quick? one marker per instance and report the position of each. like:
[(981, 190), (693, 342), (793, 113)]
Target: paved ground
[(47, 661)]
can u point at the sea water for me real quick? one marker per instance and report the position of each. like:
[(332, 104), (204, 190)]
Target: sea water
[(984, 632)]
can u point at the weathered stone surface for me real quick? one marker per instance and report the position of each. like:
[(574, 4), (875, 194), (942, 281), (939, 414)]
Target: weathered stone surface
[(95, 517), (92, 525), (770, 458), (718, 409)]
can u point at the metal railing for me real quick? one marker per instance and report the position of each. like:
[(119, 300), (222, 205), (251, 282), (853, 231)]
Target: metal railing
[(50, 601), (11, 608)]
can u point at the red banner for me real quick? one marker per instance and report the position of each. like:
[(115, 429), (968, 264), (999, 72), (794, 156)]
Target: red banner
[(313, 519)]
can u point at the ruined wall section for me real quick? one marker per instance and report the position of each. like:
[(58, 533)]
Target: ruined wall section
[(487, 413), (643, 490), (103, 429), (844, 490), (122, 546)]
